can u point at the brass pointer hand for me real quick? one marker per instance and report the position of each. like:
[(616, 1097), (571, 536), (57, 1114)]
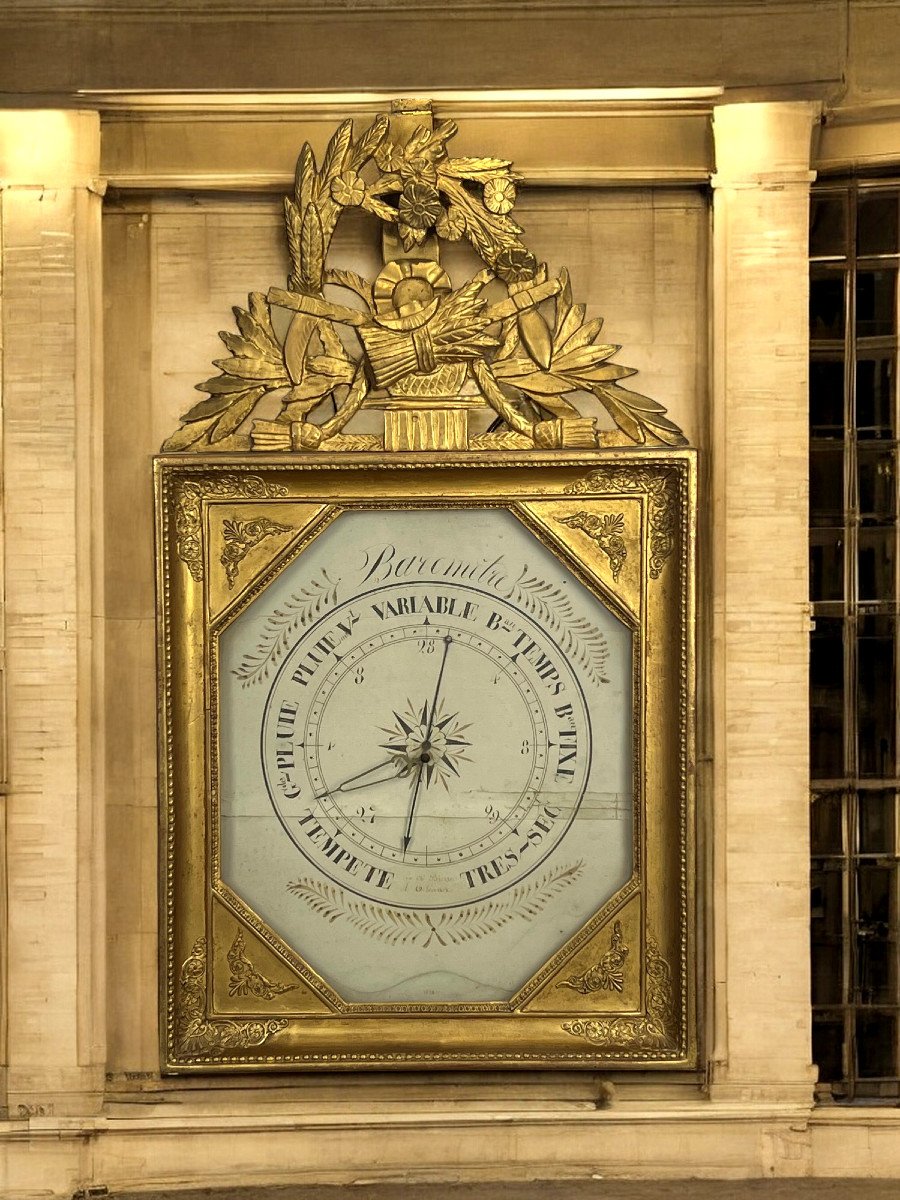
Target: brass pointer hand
[(351, 785), (426, 748)]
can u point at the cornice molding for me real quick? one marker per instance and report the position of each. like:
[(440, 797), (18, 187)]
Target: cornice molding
[(237, 145), (464, 9)]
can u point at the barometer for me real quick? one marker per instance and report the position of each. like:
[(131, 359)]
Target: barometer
[(426, 658)]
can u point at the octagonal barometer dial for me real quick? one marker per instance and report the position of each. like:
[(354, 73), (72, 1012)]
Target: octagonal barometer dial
[(426, 755)]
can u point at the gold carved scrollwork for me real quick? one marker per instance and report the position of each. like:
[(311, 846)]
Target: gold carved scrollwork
[(245, 980), (189, 509), (656, 1028), (240, 537), (606, 975), (607, 532), (661, 486), (198, 1034)]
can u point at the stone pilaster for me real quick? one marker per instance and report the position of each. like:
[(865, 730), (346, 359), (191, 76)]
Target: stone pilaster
[(760, 1020), (50, 297)]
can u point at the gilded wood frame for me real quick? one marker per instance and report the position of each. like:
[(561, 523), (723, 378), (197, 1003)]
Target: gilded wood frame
[(233, 996)]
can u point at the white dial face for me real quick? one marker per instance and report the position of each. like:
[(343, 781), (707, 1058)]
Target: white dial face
[(425, 755), (436, 755)]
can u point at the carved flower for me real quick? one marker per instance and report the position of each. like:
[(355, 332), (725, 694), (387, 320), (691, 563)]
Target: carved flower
[(420, 205), (500, 194), (515, 264), (348, 189), (451, 224), (389, 156), (418, 170)]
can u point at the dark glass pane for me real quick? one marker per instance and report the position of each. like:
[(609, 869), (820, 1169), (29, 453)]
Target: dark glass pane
[(875, 396), (877, 485), (875, 1037), (826, 564), (876, 564), (828, 1047), (876, 822), (826, 680), (876, 302), (873, 899), (826, 305), (826, 484), (876, 972), (876, 223), (826, 823), (826, 398), (875, 697), (828, 225), (827, 973), (826, 907)]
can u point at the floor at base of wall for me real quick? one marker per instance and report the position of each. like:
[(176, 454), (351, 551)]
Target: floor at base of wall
[(581, 1189)]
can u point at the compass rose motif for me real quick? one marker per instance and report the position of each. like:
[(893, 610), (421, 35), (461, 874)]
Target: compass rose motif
[(438, 751)]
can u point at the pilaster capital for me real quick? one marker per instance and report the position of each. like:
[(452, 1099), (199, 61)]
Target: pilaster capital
[(50, 148), (764, 144)]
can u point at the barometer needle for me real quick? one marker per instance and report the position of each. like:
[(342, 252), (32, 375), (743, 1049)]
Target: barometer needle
[(345, 785), (426, 747)]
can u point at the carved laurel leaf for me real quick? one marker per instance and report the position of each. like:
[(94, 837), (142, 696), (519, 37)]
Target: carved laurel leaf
[(305, 177), (312, 250), (335, 155), (190, 433), (551, 607), (578, 362), (477, 169), (351, 281), (292, 232), (256, 366), (298, 611), (363, 149), (237, 412), (638, 415)]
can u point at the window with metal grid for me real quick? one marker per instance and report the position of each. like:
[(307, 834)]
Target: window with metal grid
[(853, 415)]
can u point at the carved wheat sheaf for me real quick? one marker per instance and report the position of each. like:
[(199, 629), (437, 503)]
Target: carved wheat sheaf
[(551, 608), (300, 610), (451, 927)]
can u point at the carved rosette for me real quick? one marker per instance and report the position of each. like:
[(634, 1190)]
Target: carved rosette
[(198, 1034), (661, 485)]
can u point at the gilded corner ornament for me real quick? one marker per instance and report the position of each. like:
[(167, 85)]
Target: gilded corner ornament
[(661, 484), (189, 510), (424, 349), (656, 1027), (197, 1034), (240, 537), (245, 980), (607, 975), (607, 531)]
